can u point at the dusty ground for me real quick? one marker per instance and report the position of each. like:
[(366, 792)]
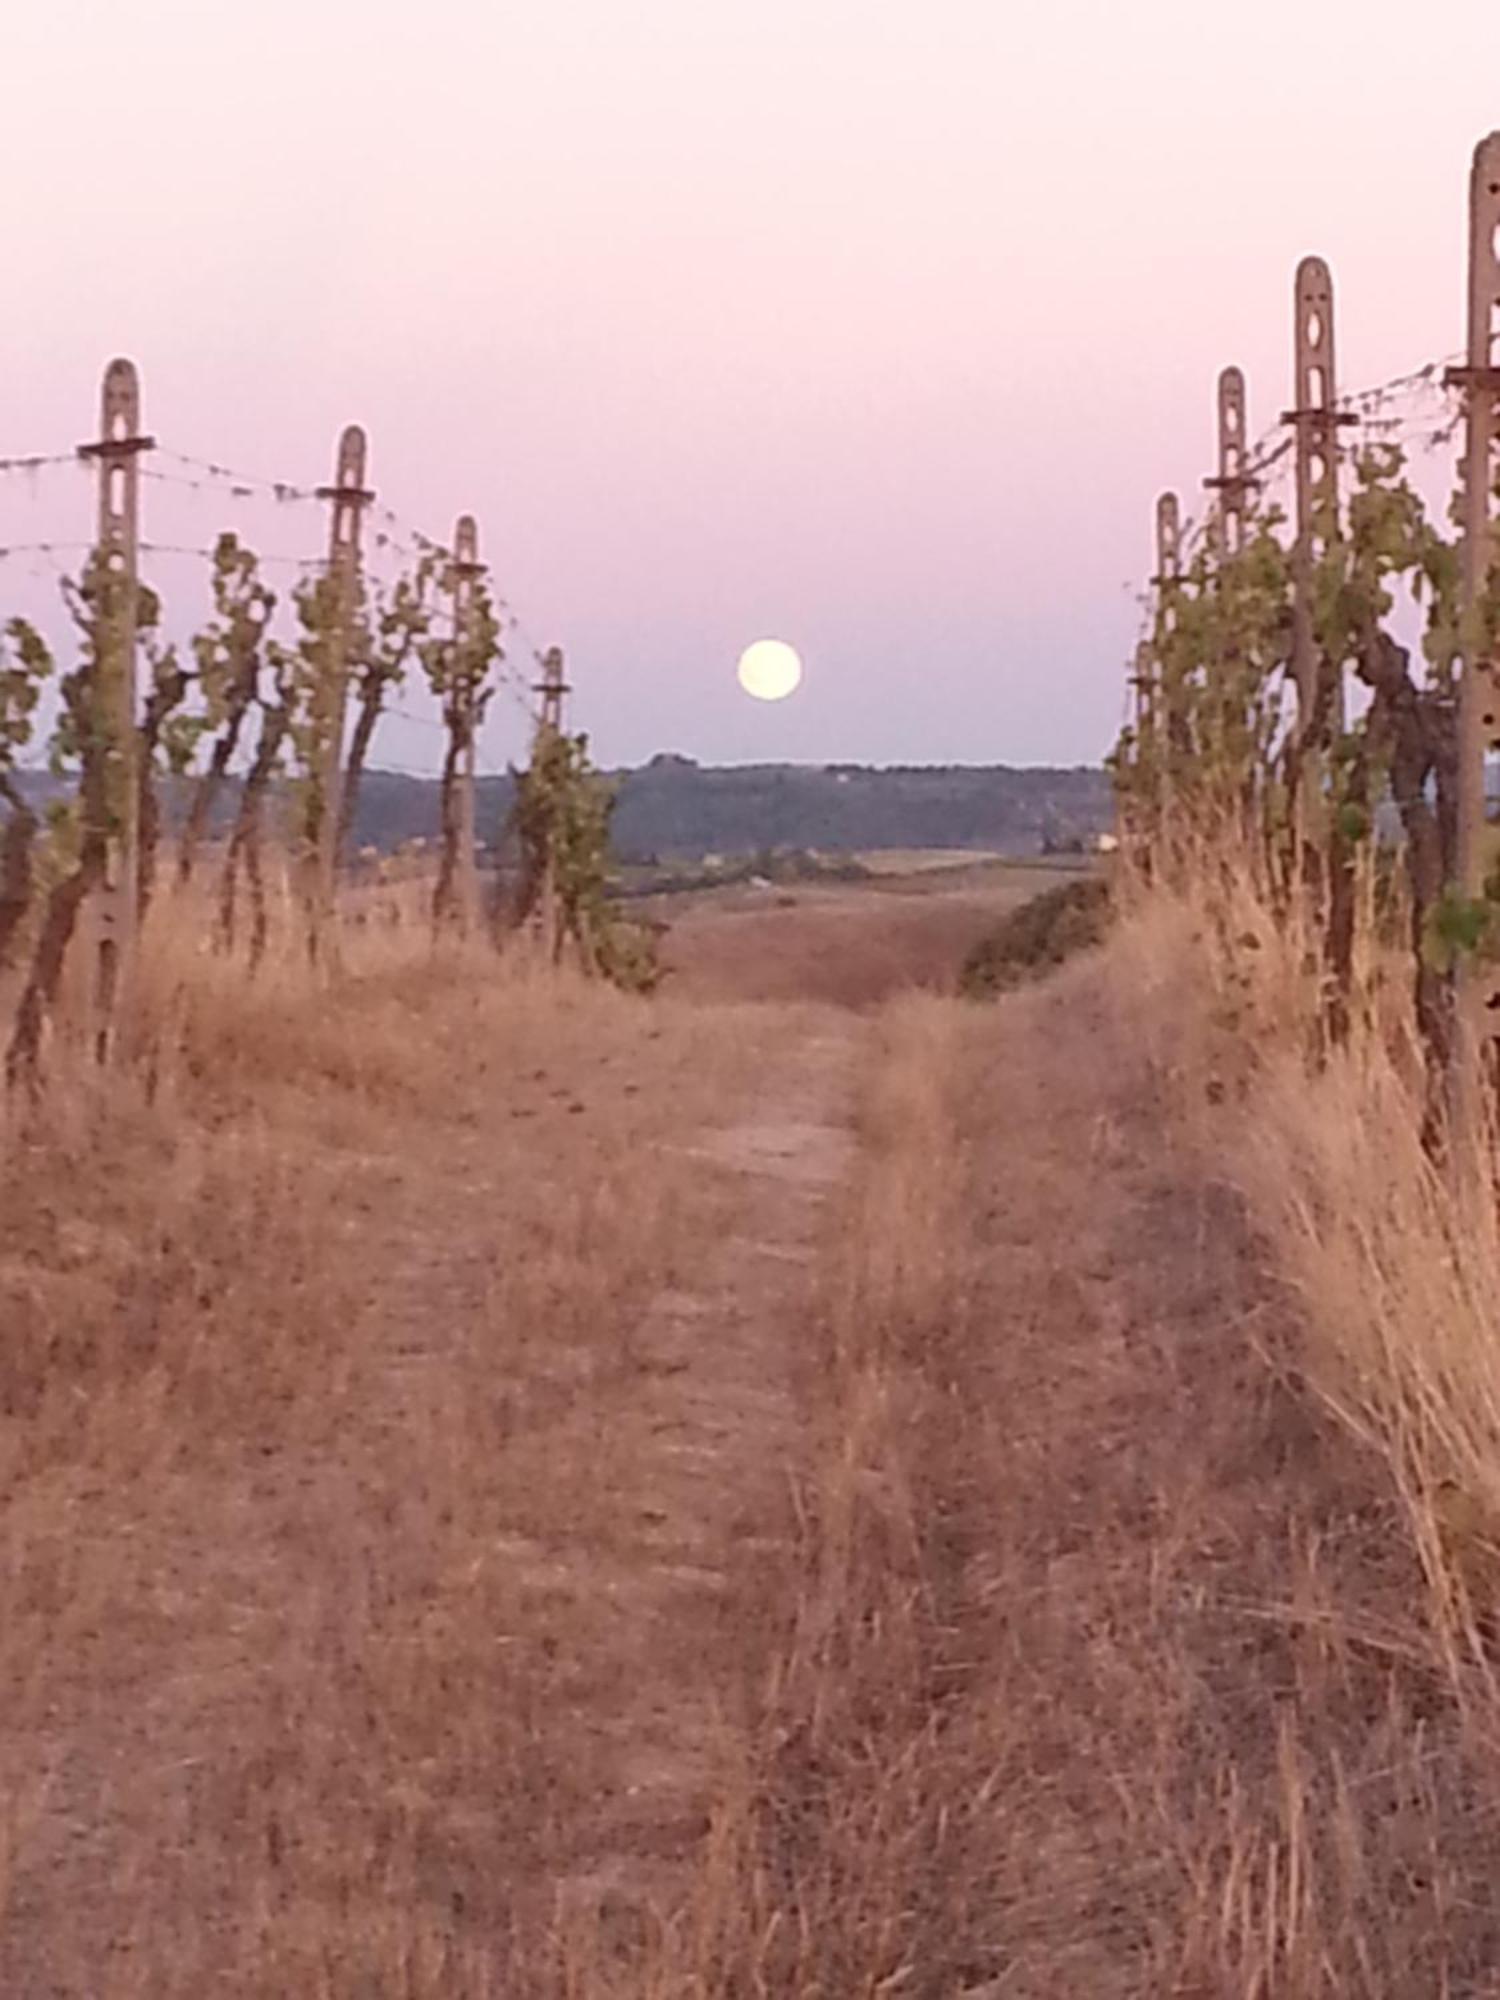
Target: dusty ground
[(511, 1490)]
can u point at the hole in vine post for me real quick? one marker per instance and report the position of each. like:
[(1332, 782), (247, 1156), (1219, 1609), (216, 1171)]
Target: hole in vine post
[(117, 489), (1317, 387), (1315, 329), (1317, 467)]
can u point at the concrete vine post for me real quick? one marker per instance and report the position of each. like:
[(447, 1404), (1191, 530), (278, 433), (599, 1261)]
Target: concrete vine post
[(1478, 995), (1322, 852), (1138, 819), (1315, 422), (110, 796), (467, 570), (1168, 548), (1143, 681), (349, 497), (1168, 719), (1232, 484), (554, 690)]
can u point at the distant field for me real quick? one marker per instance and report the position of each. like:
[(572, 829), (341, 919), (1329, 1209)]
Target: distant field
[(896, 861), (854, 944), (921, 860)]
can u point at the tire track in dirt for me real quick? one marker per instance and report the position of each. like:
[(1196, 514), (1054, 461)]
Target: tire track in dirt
[(717, 1451)]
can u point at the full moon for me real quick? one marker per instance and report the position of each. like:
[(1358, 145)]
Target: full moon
[(770, 669)]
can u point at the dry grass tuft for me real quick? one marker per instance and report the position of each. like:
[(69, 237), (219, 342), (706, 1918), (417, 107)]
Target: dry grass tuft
[(1393, 1267)]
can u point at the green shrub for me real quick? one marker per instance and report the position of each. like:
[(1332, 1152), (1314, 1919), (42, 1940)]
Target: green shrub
[(1036, 938)]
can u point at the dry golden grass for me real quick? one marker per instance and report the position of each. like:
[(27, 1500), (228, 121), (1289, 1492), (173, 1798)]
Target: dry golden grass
[(326, 1423), (1393, 1261), (507, 1489), (1376, 1298)]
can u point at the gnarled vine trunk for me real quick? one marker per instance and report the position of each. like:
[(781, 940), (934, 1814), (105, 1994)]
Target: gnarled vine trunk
[(16, 843), (206, 791), (245, 849), (1415, 734), (163, 698), (371, 707), (445, 895), (39, 996)]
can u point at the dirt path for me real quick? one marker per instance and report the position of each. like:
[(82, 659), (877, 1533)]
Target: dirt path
[(712, 1437), (449, 1651)]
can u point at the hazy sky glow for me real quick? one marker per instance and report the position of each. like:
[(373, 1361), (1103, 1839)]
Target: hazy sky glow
[(875, 327)]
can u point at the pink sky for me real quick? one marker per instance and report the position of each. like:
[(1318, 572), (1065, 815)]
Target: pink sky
[(875, 328)]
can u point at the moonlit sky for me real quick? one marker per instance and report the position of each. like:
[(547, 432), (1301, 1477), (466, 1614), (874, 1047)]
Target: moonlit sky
[(874, 327)]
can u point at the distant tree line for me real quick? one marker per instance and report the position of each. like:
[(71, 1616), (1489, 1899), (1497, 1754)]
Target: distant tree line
[(674, 808)]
